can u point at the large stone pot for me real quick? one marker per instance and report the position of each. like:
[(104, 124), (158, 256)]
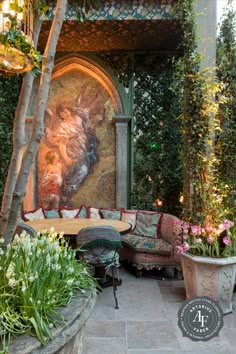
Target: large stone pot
[(213, 277), (67, 337)]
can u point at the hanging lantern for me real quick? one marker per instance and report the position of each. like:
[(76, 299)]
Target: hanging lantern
[(16, 21)]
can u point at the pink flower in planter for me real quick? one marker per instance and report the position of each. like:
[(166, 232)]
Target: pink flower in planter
[(209, 228), (198, 240), (185, 247), (196, 230), (179, 249), (210, 240), (185, 226), (227, 241), (227, 224)]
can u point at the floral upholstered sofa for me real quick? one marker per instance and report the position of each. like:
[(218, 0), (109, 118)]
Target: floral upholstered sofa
[(150, 243)]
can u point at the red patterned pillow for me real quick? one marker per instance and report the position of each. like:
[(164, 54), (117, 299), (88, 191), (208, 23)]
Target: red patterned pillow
[(36, 214), (130, 217), (148, 224)]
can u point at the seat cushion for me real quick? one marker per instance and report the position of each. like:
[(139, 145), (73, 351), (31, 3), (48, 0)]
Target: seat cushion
[(145, 244), (98, 256)]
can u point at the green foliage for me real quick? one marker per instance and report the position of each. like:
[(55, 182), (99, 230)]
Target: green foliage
[(14, 38), (203, 190), (9, 94), (226, 136), (157, 139), (38, 275)]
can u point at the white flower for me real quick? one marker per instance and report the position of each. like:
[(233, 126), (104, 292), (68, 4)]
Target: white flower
[(48, 260), (1, 240), (61, 234), (38, 253), (56, 267), (70, 281), (23, 288), (10, 271), (31, 278), (52, 229), (12, 282), (70, 270)]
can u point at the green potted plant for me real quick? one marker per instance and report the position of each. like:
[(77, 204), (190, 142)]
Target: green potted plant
[(208, 258), (39, 274)]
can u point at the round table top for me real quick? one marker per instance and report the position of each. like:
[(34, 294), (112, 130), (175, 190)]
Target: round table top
[(73, 226)]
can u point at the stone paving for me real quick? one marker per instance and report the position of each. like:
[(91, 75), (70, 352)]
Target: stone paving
[(147, 322)]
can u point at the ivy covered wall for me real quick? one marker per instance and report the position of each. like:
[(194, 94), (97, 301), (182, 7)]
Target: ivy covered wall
[(9, 94), (157, 138)]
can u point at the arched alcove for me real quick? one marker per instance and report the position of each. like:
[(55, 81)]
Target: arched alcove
[(83, 84), (86, 65)]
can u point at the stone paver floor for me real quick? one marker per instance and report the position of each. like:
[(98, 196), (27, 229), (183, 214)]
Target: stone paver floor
[(146, 321)]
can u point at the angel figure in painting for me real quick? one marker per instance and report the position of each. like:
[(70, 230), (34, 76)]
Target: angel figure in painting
[(69, 134), (51, 181)]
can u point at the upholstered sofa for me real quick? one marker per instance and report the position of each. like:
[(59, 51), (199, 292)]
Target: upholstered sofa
[(150, 243), (146, 252)]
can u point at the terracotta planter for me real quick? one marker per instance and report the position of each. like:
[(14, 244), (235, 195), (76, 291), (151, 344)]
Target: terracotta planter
[(213, 277)]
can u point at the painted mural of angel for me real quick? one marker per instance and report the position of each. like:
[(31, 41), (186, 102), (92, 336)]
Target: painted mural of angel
[(69, 134), (51, 181)]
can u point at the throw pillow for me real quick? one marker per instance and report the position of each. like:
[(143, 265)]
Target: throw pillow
[(114, 214), (148, 224), (68, 213), (130, 217), (36, 214), (94, 213), (51, 213), (83, 212)]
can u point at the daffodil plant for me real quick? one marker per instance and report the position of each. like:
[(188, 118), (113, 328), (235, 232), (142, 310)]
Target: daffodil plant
[(38, 275)]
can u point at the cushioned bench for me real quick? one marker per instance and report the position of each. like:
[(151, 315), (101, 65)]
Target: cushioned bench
[(150, 244), (146, 251)]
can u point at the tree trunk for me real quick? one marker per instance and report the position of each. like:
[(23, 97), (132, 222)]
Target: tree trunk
[(19, 141), (37, 133)]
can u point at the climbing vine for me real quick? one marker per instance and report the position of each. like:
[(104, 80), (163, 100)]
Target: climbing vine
[(204, 192), (226, 136)]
